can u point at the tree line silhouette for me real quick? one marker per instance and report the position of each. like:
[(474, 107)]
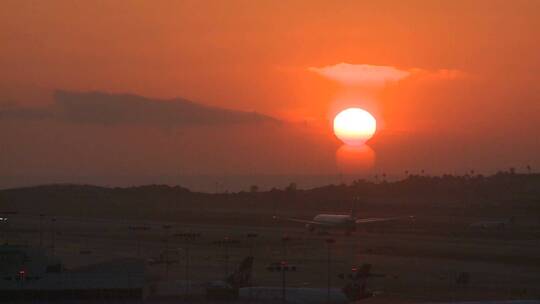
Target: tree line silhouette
[(468, 194)]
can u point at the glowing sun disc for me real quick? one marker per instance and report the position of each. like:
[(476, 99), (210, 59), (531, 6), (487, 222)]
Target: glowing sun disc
[(354, 126)]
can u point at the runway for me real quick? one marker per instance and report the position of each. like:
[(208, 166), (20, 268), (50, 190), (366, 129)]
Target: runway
[(417, 267)]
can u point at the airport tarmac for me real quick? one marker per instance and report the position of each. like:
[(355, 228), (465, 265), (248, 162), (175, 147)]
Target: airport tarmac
[(417, 267)]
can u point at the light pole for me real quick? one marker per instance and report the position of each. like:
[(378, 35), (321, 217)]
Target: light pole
[(225, 243), (329, 242), (53, 236), (166, 251), (284, 241), (136, 230), (187, 237), (5, 227), (252, 237), (41, 230), (283, 267)]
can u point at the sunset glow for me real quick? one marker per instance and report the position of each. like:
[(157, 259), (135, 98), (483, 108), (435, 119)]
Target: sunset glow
[(314, 145), (354, 126), (161, 90), (355, 159)]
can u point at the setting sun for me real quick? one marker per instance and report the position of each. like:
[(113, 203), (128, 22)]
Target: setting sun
[(354, 126)]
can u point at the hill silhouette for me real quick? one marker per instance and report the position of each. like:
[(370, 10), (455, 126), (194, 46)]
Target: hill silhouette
[(500, 195)]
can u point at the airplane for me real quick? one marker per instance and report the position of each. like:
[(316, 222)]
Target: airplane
[(342, 222), (493, 224), (353, 291)]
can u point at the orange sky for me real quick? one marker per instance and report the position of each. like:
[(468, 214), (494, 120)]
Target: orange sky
[(257, 55)]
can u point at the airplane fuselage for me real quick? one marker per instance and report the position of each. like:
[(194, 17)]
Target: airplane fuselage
[(332, 222)]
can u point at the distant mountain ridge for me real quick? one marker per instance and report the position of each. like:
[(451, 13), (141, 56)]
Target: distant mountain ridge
[(497, 195), (112, 109)]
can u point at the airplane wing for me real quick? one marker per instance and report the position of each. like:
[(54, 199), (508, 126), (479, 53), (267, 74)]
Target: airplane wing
[(305, 221), (382, 219)]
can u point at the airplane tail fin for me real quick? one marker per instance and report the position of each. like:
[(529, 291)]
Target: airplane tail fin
[(241, 277), (363, 271)]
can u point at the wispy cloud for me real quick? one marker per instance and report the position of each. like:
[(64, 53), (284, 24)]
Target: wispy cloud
[(367, 75), (361, 74)]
